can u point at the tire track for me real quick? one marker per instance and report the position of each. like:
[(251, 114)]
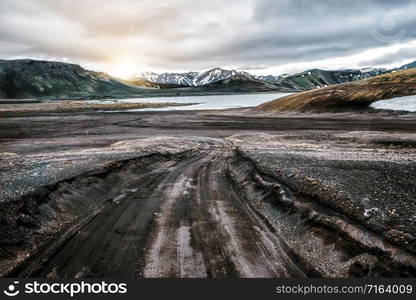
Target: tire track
[(177, 218)]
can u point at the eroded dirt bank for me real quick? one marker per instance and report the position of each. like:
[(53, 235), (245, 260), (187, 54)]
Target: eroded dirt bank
[(204, 194)]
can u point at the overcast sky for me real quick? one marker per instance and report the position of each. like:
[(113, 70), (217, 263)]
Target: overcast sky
[(260, 36)]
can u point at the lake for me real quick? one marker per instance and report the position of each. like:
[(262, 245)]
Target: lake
[(206, 102)]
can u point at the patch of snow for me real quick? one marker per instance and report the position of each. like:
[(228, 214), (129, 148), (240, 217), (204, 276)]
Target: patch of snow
[(407, 103)]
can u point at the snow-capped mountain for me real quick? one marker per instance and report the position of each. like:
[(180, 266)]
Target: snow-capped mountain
[(212, 76), (309, 79), (268, 78), (192, 79), (180, 79), (303, 80)]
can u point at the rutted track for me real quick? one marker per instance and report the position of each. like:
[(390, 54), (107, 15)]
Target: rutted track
[(174, 217), (300, 197)]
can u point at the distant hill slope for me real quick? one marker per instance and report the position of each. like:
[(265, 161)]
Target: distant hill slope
[(408, 66), (316, 78), (240, 83), (36, 79), (356, 95)]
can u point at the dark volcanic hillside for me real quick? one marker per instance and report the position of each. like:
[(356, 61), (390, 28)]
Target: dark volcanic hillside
[(38, 79)]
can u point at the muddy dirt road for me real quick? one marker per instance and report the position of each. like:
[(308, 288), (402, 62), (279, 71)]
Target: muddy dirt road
[(172, 218), (171, 195)]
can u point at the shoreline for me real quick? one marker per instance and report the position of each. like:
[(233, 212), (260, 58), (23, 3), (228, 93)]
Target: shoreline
[(71, 106)]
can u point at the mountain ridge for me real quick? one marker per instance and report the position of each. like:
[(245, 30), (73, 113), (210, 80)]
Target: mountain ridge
[(28, 78), (306, 80)]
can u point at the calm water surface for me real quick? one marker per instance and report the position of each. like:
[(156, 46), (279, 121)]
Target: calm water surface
[(206, 102)]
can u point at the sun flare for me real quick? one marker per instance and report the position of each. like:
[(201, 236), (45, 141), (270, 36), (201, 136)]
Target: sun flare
[(124, 69)]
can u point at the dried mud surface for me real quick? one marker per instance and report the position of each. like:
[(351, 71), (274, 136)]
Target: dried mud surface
[(207, 194)]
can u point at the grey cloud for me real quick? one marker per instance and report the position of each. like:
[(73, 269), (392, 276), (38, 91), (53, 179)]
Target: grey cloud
[(403, 55), (198, 34)]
